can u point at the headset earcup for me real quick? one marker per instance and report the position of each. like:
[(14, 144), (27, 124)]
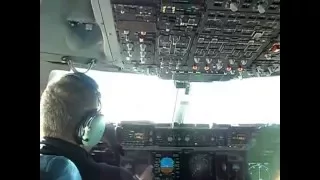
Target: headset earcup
[(94, 131)]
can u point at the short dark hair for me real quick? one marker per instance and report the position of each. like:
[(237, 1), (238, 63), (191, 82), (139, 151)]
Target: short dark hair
[(64, 103)]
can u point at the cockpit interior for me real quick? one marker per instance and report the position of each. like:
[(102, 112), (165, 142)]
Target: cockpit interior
[(191, 87)]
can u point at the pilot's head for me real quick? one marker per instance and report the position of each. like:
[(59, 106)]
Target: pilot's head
[(69, 110)]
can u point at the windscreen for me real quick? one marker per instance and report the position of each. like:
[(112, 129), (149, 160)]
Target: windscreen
[(247, 101), (132, 97)]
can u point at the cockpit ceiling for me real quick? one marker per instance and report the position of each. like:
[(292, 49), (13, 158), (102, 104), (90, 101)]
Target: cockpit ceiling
[(86, 31)]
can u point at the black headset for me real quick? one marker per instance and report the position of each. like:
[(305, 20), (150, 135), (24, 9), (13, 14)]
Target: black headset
[(91, 128)]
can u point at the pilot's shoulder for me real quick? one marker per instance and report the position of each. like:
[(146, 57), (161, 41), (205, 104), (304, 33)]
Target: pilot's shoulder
[(63, 168)]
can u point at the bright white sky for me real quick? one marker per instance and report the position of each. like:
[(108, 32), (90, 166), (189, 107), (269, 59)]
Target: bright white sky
[(138, 97)]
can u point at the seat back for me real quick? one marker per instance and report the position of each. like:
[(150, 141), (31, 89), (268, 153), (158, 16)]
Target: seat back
[(58, 168)]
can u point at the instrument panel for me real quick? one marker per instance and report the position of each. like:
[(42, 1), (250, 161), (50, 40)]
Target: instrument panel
[(194, 165), (163, 135), (189, 165), (201, 152), (221, 39), (184, 40)]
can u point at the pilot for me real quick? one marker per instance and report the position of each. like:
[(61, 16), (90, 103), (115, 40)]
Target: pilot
[(71, 124)]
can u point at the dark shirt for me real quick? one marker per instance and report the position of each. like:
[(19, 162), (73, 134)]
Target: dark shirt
[(88, 168)]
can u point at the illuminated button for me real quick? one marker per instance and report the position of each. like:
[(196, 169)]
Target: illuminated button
[(129, 46), (229, 68), (194, 67), (275, 48), (233, 7), (143, 54), (196, 60), (129, 54), (142, 60), (208, 60), (143, 47), (219, 66), (170, 139), (243, 62), (261, 9)]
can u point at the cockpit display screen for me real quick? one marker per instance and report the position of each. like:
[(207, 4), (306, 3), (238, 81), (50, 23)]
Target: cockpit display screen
[(239, 139), (167, 165), (136, 135)]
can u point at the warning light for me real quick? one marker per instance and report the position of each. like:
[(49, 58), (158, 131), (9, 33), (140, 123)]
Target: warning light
[(228, 68), (240, 69), (275, 48), (206, 68), (194, 67)]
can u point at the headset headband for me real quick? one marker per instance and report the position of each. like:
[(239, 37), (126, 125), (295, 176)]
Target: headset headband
[(86, 80), (89, 82)]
